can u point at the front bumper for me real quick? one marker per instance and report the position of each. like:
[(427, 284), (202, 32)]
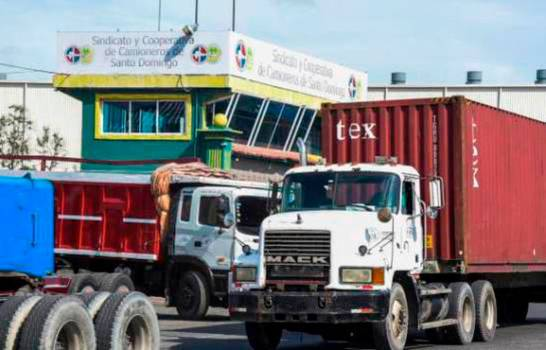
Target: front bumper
[(332, 307)]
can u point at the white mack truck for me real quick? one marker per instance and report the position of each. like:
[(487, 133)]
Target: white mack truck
[(346, 254)]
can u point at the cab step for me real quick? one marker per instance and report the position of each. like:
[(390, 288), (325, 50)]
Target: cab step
[(438, 324), (433, 292)]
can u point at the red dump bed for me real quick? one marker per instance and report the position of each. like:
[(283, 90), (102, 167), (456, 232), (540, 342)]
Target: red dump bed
[(108, 216), (493, 163)]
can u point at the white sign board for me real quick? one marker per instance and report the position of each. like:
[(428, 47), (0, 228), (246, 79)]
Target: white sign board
[(206, 53)]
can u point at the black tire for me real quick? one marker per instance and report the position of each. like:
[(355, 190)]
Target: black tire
[(263, 336), (94, 301), (127, 320), (99, 276), (192, 299), (463, 309), (27, 289), (392, 333), (13, 314), (486, 311), (82, 283), (58, 321), (116, 283)]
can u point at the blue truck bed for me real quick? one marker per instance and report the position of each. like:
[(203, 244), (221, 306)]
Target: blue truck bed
[(26, 226)]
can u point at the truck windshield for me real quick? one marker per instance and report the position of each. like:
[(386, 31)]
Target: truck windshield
[(358, 191), (251, 211)]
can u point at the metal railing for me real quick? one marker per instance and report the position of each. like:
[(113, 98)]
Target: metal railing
[(44, 159)]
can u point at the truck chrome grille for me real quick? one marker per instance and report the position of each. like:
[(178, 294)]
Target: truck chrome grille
[(297, 243), (297, 256)]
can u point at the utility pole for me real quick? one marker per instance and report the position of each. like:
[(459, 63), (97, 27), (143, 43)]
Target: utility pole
[(159, 17), (233, 16)]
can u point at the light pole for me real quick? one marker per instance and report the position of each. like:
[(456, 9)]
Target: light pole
[(196, 13), (159, 17), (233, 16)]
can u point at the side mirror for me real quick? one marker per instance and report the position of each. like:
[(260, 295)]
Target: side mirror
[(229, 220), (436, 186), (384, 215)]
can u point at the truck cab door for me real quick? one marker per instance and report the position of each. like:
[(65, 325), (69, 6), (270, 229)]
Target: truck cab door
[(199, 229), (410, 240)]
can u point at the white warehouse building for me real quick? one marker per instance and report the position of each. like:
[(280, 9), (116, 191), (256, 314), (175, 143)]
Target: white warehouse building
[(48, 107), (528, 100)]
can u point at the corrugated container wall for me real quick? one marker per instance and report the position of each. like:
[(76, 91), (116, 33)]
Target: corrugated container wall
[(490, 159)]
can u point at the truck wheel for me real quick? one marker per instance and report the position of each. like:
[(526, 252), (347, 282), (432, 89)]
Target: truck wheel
[(263, 336), (486, 311), (127, 321), (392, 333), (93, 301), (461, 308), (58, 322), (13, 314), (192, 299), (82, 283), (116, 283)]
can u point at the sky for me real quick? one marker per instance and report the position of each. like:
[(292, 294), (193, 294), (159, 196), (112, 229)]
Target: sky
[(434, 41)]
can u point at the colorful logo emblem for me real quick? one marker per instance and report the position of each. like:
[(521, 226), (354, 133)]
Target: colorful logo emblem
[(354, 88), (74, 55), (243, 56), (201, 54)]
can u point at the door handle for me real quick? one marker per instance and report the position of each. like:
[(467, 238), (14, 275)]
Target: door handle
[(197, 244), (34, 219)]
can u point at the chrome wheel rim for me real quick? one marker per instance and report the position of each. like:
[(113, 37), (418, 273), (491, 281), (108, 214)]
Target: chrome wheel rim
[(398, 322), (468, 315), (489, 313)]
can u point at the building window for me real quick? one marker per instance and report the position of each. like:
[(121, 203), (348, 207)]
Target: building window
[(219, 105), (276, 126), (245, 115), (115, 117), (143, 116), (267, 123)]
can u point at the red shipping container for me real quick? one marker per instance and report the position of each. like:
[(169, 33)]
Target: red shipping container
[(493, 163)]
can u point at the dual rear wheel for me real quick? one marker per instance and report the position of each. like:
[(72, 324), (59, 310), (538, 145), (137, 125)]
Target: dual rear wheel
[(97, 320), (473, 307)]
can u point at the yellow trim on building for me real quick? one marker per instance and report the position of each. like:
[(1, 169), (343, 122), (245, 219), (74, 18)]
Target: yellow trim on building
[(237, 84), (139, 81), (250, 87), (100, 135)]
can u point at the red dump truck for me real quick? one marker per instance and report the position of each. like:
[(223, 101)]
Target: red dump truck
[(109, 235), (429, 215)]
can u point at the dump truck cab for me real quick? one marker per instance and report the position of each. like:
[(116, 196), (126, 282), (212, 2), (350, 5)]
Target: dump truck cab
[(213, 220)]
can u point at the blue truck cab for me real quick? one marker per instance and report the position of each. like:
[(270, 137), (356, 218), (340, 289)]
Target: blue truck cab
[(26, 227)]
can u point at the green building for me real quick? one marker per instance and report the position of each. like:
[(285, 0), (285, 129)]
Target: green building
[(155, 95)]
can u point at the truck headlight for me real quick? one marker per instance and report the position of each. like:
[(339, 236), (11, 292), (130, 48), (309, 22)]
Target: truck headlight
[(245, 274), (355, 275)]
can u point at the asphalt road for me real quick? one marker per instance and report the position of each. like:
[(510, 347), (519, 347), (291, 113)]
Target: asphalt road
[(217, 332)]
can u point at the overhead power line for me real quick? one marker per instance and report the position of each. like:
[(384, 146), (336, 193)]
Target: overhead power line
[(30, 69)]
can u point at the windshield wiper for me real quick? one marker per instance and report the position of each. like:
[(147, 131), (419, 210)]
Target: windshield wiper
[(362, 205)]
